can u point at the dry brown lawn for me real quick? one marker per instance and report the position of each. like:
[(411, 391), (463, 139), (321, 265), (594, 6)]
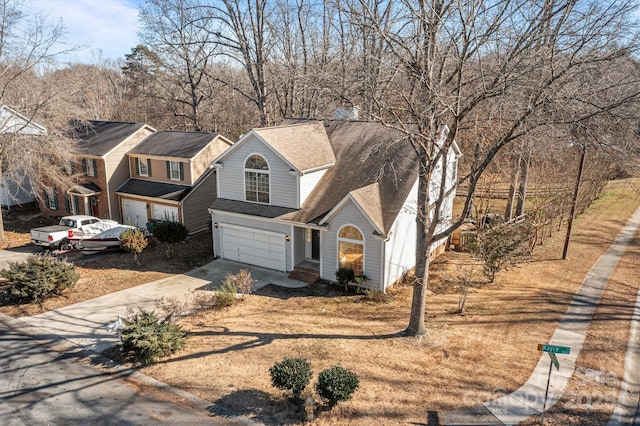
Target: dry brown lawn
[(465, 359)]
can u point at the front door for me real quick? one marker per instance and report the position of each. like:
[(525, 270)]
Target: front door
[(315, 244), (93, 201)]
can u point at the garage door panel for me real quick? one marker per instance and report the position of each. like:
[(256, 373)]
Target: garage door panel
[(254, 247), (134, 213), (262, 245), (162, 212)]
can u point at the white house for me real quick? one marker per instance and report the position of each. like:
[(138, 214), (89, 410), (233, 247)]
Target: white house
[(314, 195), (12, 191)]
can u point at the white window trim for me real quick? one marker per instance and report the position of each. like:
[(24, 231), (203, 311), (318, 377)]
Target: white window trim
[(176, 169), (91, 171), (51, 199), (348, 240), (142, 162), (244, 177)]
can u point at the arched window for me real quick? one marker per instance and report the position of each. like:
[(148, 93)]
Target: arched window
[(256, 179), (351, 249)]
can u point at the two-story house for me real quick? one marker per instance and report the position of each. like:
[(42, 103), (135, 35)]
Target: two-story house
[(171, 178), (17, 189), (100, 166), (322, 195)]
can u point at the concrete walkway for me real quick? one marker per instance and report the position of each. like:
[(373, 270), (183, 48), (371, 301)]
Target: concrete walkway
[(85, 323), (528, 400), (626, 411)]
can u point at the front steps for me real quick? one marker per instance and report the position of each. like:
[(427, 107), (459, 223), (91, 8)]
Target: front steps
[(303, 274)]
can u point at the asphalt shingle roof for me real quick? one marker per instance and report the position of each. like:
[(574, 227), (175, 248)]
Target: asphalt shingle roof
[(145, 188), (99, 137), (174, 144), (253, 209), (366, 154), (305, 145)]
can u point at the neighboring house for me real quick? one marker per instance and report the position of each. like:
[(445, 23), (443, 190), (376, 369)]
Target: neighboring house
[(172, 178), (17, 191), (322, 195), (101, 166)]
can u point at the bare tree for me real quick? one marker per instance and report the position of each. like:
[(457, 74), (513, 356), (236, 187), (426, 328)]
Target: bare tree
[(504, 64), (240, 28), (180, 42), (29, 43)]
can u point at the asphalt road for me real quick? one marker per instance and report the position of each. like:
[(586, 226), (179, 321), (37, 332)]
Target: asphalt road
[(40, 385)]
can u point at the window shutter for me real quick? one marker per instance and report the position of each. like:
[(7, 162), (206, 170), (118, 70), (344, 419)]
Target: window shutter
[(67, 203), (181, 171), (84, 166), (149, 167), (46, 198), (168, 170), (95, 167), (137, 166)]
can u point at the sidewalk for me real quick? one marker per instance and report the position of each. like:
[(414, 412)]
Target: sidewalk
[(528, 400)]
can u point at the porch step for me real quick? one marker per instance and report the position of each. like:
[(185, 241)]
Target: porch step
[(304, 274)]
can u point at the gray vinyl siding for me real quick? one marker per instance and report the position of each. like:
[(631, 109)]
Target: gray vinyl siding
[(282, 184), (299, 243), (196, 215), (308, 182), (249, 223), (349, 214)]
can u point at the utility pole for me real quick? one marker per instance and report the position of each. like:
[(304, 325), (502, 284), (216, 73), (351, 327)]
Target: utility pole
[(574, 201)]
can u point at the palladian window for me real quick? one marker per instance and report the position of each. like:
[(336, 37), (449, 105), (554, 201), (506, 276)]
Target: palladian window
[(351, 249), (256, 179)]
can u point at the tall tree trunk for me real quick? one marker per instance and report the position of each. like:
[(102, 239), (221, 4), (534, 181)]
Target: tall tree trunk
[(1, 218), (416, 325), (508, 212), (525, 159)]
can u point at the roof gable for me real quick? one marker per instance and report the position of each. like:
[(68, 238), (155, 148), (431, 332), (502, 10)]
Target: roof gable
[(304, 147), (367, 200), (178, 144), (11, 121)]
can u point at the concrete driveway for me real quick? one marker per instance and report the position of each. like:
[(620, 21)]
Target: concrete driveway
[(85, 323), (17, 254)]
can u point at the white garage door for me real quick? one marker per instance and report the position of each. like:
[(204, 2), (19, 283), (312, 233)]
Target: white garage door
[(134, 213), (255, 247), (161, 212)]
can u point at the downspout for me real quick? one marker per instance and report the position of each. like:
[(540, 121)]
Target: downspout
[(383, 263), (291, 242)]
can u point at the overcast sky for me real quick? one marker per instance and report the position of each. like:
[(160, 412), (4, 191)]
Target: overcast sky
[(106, 26)]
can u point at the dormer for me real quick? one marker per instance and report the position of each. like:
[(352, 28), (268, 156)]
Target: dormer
[(277, 166)]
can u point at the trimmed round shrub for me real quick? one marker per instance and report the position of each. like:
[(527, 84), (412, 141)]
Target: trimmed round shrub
[(291, 374), (37, 279), (336, 384), (146, 338)]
